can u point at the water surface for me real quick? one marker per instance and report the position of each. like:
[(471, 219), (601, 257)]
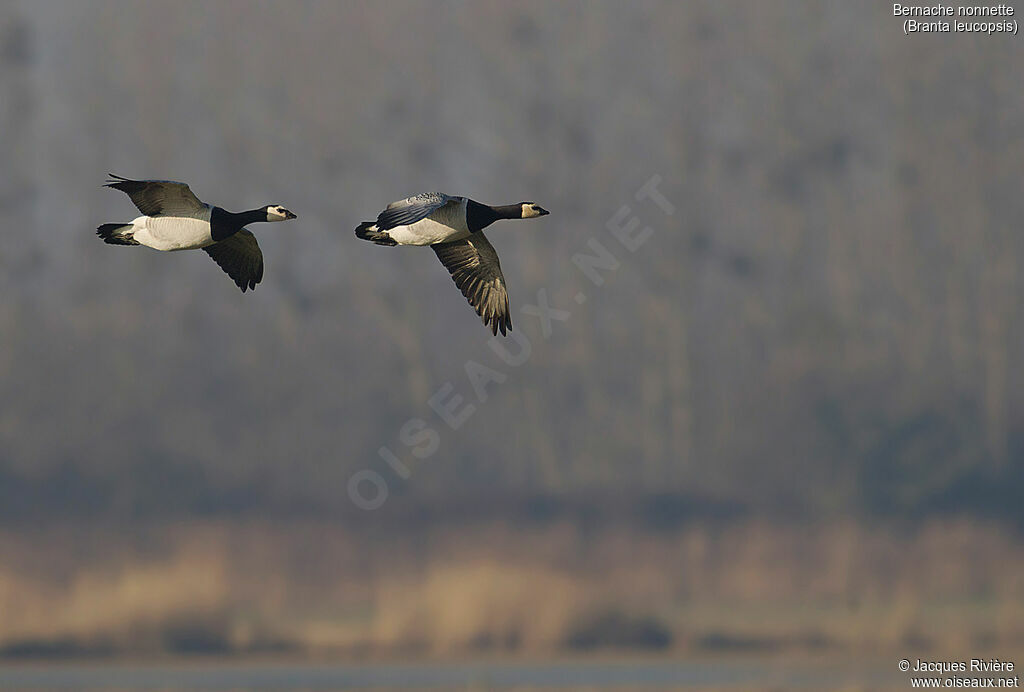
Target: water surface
[(424, 676)]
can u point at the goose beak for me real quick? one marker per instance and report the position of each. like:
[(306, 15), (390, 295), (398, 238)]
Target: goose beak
[(288, 215), (542, 212)]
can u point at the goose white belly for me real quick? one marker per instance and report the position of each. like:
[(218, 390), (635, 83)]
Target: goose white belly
[(444, 225), (169, 233)]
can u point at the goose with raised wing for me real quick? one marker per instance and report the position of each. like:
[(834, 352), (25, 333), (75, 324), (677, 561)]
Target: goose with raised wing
[(173, 218), (453, 228)]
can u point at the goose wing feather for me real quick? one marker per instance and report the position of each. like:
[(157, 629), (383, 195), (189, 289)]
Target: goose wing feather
[(412, 209), (159, 197), (240, 257), (474, 266)]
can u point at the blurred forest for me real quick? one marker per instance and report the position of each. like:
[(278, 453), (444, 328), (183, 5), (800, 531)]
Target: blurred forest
[(825, 325), (823, 331)]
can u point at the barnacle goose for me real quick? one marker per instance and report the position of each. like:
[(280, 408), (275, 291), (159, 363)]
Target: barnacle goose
[(453, 227), (175, 219)]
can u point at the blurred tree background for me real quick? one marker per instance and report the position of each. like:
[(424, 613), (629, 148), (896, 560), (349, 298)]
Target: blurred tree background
[(825, 326)]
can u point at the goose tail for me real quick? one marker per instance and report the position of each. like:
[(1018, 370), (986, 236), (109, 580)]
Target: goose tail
[(117, 234), (367, 230)]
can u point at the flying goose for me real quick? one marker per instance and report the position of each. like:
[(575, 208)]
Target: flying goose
[(175, 219), (453, 227)]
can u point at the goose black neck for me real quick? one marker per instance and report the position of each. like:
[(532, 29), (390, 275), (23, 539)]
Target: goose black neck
[(251, 216), (224, 223), (480, 216)]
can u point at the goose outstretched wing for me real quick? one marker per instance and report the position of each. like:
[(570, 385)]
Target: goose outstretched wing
[(159, 197), (473, 264), (412, 209), (240, 257)]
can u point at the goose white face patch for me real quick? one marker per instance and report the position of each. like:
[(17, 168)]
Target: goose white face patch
[(278, 213), (531, 210)]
